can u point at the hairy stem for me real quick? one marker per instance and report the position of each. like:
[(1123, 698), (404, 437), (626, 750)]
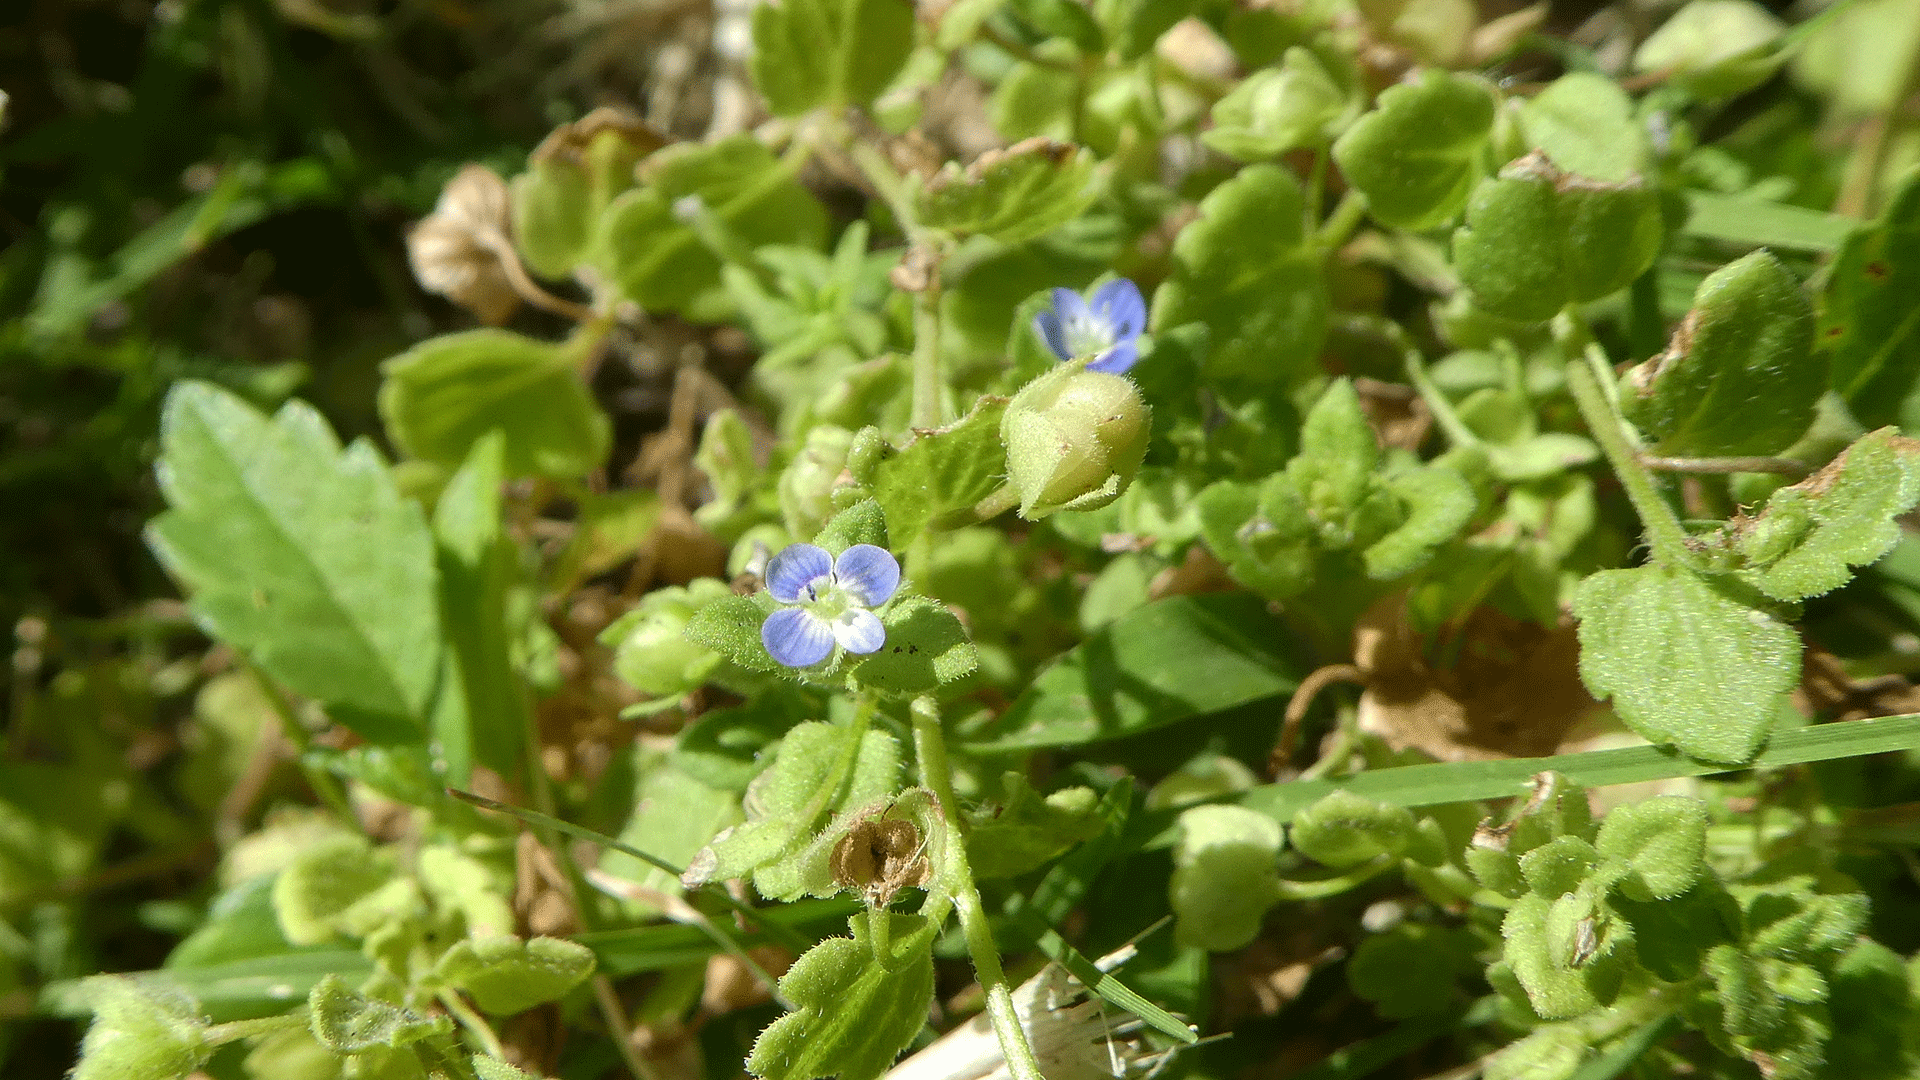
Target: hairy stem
[(930, 747), (928, 386), (1783, 466), (1664, 531)]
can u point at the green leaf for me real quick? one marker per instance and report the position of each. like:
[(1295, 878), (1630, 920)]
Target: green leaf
[(1537, 238), (1672, 936), (479, 715), (1664, 842), (322, 884), (1558, 866), (506, 975), (1275, 559), (941, 471), (347, 1023), (1715, 48), (862, 523), (1465, 781), (1177, 658), (1439, 503), (443, 395), (1739, 376), (646, 244), (1417, 154), (674, 816), (652, 650), (1412, 969), (819, 768), (1585, 124), (1869, 987), (1027, 830), (812, 53), (730, 626), (1224, 877), (1551, 1052), (1684, 661), (1275, 110), (926, 647), (552, 216), (1870, 311), (1245, 269), (495, 1069), (301, 555), (1342, 830), (1569, 953), (853, 1010), (1752, 222), (1012, 195), (140, 1032)]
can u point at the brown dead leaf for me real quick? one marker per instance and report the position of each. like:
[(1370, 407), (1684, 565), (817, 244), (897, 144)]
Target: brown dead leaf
[(731, 985), (1496, 687)]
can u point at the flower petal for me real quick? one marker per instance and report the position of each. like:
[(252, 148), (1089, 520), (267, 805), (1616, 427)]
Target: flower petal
[(1119, 304), (870, 573), (859, 631), (1048, 326), (1118, 359), (797, 637), (791, 571)]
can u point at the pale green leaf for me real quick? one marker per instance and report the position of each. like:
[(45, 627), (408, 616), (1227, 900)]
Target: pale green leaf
[(853, 1010), (1684, 660), (301, 555), (507, 975), (440, 397), (1417, 154)]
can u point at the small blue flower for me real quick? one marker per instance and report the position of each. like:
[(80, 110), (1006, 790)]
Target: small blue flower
[(827, 601), (1107, 327)]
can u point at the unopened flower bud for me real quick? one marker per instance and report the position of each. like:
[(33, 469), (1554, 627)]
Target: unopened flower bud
[(650, 647), (806, 487), (1074, 438)]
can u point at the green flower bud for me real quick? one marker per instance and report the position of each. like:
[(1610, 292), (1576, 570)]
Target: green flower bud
[(806, 488), (650, 646), (141, 1033), (1074, 438)]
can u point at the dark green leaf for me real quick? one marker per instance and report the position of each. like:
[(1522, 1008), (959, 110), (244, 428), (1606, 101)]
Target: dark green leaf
[(1739, 376), (1870, 314), (854, 1009), (1174, 659)]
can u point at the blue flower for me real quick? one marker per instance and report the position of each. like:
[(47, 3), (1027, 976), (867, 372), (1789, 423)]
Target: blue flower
[(826, 601), (1107, 327)]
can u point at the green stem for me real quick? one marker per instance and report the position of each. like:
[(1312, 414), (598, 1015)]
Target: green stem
[(1442, 409), (1708, 465), (930, 747), (886, 183), (221, 1034), (928, 386), (1664, 531), (474, 1023), (1346, 217), (1334, 886), (1003, 499)]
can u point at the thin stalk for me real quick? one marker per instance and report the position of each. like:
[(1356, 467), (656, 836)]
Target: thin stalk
[(928, 386), (1783, 466), (1003, 499), (1346, 217), (1334, 886), (1457, 431), (930, 747), (1664, 531), (886, 183), (324, 783), (474, 1023)]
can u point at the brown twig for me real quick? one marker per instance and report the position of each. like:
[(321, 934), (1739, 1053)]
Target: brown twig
[(1297, 706)]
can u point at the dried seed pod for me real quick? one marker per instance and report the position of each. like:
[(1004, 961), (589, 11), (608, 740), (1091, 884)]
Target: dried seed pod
[(881, 856), (455, 251)]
